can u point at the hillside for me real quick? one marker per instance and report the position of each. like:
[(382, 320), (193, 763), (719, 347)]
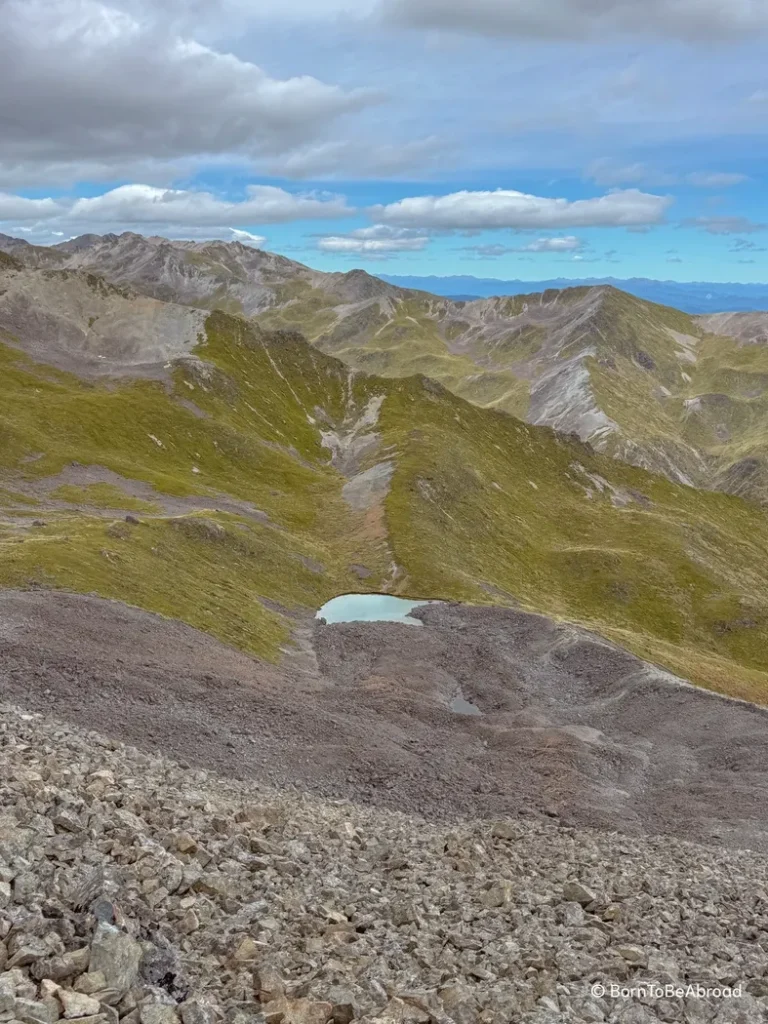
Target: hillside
[(141, 890), (262, 478), (679, 395)]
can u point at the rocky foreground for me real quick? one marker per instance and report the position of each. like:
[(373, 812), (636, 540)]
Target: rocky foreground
[(139, 891)]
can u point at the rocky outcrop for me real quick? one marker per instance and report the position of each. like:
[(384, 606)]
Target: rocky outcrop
[(136, 891)]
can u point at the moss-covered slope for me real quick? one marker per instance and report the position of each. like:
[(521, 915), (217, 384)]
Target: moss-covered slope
[(680, 395), (270, 478)]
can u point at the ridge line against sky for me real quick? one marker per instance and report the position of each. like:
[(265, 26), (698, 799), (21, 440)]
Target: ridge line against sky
[(527, 139)]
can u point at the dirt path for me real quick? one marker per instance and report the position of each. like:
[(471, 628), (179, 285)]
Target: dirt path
[(571, 727)]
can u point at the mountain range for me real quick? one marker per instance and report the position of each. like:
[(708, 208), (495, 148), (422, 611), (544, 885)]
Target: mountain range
[(277, 436), (689, 296), (673, 393)]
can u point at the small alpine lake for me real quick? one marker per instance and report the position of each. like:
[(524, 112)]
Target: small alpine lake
[(370, 608)]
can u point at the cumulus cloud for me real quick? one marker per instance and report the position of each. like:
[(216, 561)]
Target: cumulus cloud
[(97, 85), (577, 19), (567, 244), (376, 240), (247, 238), (174, 213), (507, 209), (17, 208), (143, 204)]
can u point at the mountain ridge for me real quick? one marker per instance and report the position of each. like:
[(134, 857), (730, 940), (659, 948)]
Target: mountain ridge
[(645, 383), (263, 477), (694, 297)]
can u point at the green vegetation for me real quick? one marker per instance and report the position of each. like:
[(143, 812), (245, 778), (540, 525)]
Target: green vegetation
[(102, 496), (480, 504), (256, 445), (213, 577), (411, 338), (649, 361), (679, 576)]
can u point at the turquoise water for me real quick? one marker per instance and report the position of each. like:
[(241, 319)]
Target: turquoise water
[(369, 608)]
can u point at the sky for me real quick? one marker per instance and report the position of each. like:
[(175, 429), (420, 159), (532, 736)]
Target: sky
[(513, 139)]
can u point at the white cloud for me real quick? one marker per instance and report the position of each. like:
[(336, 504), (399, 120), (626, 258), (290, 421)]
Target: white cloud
[(578, 19), (143, 204), (360, 159), (507, 209), (247, 238), (20, 209), (173, 213), (725, 225), (569, 243), (606, 172), (96, 85), (376, 240)]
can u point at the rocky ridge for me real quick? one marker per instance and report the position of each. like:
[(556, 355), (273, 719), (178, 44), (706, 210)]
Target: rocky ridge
[(134, 890), (679, 395)]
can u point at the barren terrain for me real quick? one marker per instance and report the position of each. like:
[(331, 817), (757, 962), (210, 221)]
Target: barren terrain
[(571, 728)]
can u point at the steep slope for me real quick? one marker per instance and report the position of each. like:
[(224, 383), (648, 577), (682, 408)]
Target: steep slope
[(187, 896), (633, 378), (98, 327), (745, 327), (272, 479)]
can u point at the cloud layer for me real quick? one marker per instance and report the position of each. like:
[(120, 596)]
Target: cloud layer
[(96, 87), (169, 211), (477, 211), (608, 172)]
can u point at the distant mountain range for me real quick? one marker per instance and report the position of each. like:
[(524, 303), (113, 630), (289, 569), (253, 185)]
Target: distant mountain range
[(690, 296)]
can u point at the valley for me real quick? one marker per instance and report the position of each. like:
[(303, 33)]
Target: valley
[(341, 625), (271, 471)]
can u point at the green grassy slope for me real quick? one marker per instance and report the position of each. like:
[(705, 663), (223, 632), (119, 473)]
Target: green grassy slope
[(482, 508), (254, 443), (645, 362), (643, 382), (677, 575)]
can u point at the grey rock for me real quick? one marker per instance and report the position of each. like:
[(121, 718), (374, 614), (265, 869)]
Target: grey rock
[(77, 1004), (575, 892), (158, 1013), (116, 956)]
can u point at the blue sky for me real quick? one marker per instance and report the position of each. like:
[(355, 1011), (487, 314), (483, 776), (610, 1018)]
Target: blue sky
[(501, 138)]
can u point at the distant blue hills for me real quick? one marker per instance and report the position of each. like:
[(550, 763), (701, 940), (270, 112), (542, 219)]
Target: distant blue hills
[(691, 297)]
